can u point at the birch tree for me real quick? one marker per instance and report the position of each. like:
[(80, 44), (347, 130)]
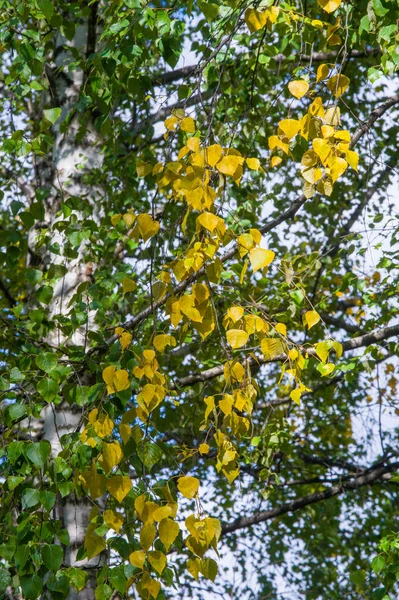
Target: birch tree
[(198, 296)]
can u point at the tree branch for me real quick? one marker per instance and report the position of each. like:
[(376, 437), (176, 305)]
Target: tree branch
[(372, 476), (364, 340), (186, 72)]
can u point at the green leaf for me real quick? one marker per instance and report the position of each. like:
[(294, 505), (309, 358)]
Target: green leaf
[(31, 586), (47, 9), (52, 556), (378, 563), (358, 577), (44, 294), (77, 577), (379, 8), (47, 361), (48, 389), (30, 497), (37, 452), (5, 579), (16, 411), (52, 115), (149, 454), (47, 500), (103, 592), (209, 568), (13, 481), (21, 556)]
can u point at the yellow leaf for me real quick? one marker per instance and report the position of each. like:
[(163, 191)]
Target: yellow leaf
[(327, 131), (237, 338), (148, 227), (322, 72), (226, 405), (289, 127), (343, 135), (188, 125), (329, 5), (162, 340), (94, 481), (322, 148), (125, 337), (337, 167), (353, 159), (311, 318), (128, 285), (333, 116), (187, 307), (253, 163), (116, 381), (235, 313), (338, 85), (260, 258), (298, 88), (325, 369), (229, 164), (162, 513), (203, 448), (137, 559), (143, 169), (338, 349), (213, 154), (275, 161), (193, 144), (322, 349), (115, 219), (295, 395), (94, 544), (157, 560), (188, 486), (233, 371), (168, 532), (293, 354), (171, 122), (147, 535), (119, 486), (209, 221), (193, 567), (111, 455), (255, 19), (271, 347), (103, 426), (113, 520), (210, 405), (281, 328)]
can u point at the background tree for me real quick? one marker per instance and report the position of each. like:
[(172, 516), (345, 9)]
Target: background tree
[(198, 298)]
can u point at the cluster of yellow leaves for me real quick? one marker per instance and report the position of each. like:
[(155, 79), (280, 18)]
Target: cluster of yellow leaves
[(125, 338), (239, 326), (248, 243), (330, 5), (204, 533), (330, 154), (145, 227), (152, 393), (194, 308), (116, 380), (231, 407), (256, 19)]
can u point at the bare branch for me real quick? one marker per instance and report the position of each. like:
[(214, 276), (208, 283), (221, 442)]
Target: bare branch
[(372, 476)]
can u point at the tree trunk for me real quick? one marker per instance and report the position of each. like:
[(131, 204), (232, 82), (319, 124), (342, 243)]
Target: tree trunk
[(72, 157)]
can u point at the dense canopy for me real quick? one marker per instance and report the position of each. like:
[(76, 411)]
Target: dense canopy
[(198, 299)]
